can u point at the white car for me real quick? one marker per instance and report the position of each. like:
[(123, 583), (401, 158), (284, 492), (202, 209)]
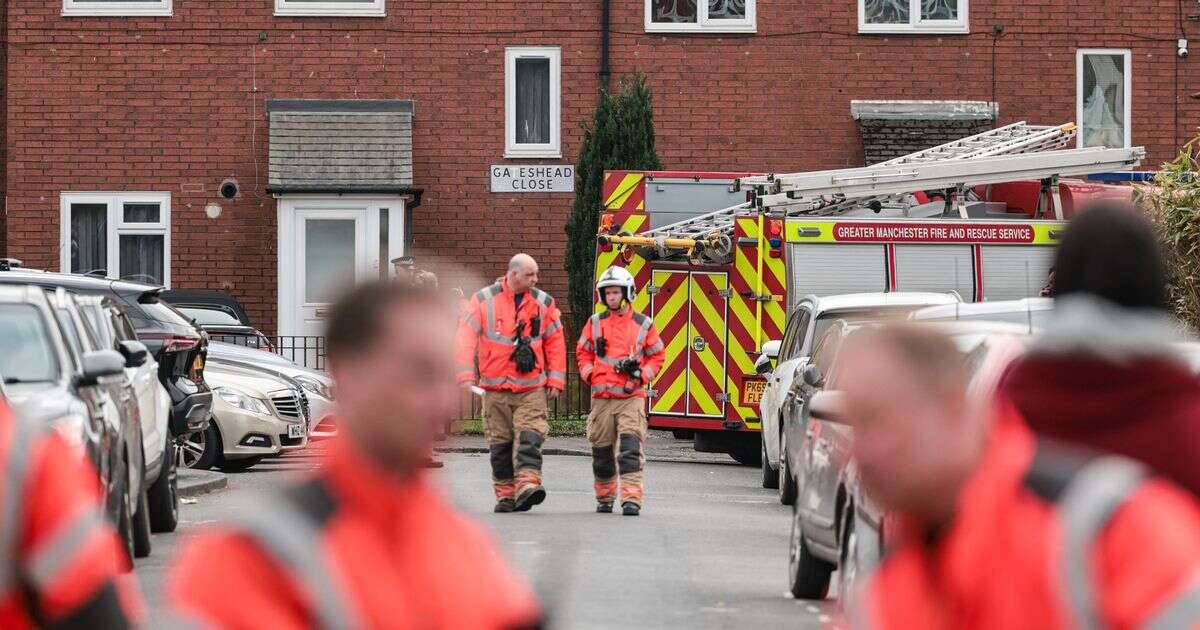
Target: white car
[(806, 323), (1033, 312), (255, 415), (317, 385)]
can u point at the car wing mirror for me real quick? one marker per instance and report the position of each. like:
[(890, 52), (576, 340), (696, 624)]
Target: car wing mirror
[(100, 364), (812, 376), (827, 406), (135, 352), (762, 365)]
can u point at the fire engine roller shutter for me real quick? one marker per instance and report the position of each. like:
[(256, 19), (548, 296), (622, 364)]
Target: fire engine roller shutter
[(825, 269), (1012, 272), (937, 268)]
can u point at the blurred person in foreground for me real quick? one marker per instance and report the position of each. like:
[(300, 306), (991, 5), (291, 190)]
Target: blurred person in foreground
[(367, 542), (61, 563), (1107, 373), (998, 529)]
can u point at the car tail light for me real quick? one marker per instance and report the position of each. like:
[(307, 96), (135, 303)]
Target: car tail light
[(174, 343)]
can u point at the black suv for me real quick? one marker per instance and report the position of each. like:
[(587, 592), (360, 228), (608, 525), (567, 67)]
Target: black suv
[(179, 346)]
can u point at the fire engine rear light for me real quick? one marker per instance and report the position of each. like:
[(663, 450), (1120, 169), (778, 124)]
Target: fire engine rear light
[(775, 227), (606, 223), (174, 343)]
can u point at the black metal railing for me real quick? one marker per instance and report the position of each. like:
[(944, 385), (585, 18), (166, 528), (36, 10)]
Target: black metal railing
[(308, 351)]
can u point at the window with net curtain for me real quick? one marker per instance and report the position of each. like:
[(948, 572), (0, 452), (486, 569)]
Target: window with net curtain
[(533, 100), (687, 12), (131, 246), (1103, 99)]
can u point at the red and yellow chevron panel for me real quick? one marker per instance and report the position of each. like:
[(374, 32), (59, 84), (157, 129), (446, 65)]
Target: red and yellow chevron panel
[(624, 190), (746, 334), (670, 312), (707, 334)]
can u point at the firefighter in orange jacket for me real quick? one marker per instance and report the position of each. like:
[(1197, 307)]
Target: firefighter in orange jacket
[(60, 562), (997, 528), (511, 332), (368, 541), (619, 353)]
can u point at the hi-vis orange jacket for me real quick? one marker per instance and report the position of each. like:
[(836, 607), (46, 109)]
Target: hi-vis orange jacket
[(60, 561), (627, 334), (486, 336), (1046, 538)]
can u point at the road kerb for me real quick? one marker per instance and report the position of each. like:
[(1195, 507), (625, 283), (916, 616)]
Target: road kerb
[(197, 482)]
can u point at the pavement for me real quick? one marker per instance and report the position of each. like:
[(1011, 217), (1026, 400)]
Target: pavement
[(709, 551), (197, 482)]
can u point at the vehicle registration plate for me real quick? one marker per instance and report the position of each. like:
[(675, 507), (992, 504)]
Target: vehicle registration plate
[(752, 392), (295, 430)]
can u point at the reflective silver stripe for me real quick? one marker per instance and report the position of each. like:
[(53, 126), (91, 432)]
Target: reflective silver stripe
[(54, 556), (555, 325), (650, 351), (503, 380), (608, 389), (294, 540), (469, 319), (1086, 507), (647, 374), (16, 468), (613, 361), (543, 297), (645, 330), (490, 301), (586, 369), (558, 375), (1182, 611), (587, 343), (596, 326)]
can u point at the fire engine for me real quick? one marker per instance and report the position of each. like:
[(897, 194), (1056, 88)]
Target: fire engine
[(720, 258)]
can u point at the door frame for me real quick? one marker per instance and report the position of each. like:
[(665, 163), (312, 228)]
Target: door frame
[(288, 295)]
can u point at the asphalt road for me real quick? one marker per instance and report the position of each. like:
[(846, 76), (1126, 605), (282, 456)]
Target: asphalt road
[(708, 551)]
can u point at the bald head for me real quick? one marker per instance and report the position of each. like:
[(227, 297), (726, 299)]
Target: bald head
[(522, 273)]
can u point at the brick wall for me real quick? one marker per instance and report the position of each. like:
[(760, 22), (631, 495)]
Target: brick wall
[(887, 139), (176, 104)]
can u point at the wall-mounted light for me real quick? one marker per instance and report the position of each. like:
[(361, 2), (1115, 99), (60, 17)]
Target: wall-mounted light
[(213, 210)]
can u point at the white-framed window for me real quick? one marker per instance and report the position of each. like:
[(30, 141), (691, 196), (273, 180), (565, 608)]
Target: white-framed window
[(117, 235), (532, 101), (1104, 97), (700, 16), (913, 16), (116, 7), (352, 8)]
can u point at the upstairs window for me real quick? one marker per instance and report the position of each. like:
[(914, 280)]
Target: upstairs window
[(349, 8), (1103, 93), (532, 101), (700, 16), (912, 16), (116, 7)]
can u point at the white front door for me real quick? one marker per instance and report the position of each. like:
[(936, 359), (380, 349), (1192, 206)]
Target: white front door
[(327, 246)]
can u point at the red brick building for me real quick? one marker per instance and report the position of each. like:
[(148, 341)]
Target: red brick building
[(355, 130)]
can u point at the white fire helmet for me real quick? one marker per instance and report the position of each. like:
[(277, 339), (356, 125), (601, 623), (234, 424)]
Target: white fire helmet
[(615, 277)]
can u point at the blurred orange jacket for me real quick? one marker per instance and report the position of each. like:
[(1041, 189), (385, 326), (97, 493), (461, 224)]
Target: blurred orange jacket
[(626, 335), (486, 335), (1046, 538), (353, 547), (61, 563)]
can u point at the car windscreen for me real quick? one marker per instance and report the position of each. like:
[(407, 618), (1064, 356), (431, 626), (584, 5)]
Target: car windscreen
[(875, 313), (156, 310), (209, 316), (26, 351)]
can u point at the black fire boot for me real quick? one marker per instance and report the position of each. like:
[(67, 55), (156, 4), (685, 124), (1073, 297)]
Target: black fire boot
[(630, 509), (603, 507), (504, 506)]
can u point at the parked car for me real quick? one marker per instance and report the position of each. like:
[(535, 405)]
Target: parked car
[(110, 328), (317, 385), (176, 344), (220, 315), (51, 376), (254, 416), (806, 324), (1033, 312), (835, 525)]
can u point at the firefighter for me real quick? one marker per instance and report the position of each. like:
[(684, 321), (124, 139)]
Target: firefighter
[(512, 331), (60, 560), (619, 353), (994, 527), (368, 541)]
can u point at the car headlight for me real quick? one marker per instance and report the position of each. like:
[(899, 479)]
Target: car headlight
[(71, 427), (242, 400), (314, 386)]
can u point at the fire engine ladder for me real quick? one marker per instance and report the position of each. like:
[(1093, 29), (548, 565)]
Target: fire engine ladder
[(710, 235)]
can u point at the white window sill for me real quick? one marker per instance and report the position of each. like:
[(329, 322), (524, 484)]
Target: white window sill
[(117, 12), (327, 13), (904, 29), (690, 29), (521, 155)]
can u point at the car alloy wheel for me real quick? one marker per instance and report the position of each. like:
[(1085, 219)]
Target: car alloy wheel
[(189, 449)]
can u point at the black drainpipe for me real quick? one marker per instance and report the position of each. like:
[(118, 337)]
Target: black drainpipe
[(604, 71)]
